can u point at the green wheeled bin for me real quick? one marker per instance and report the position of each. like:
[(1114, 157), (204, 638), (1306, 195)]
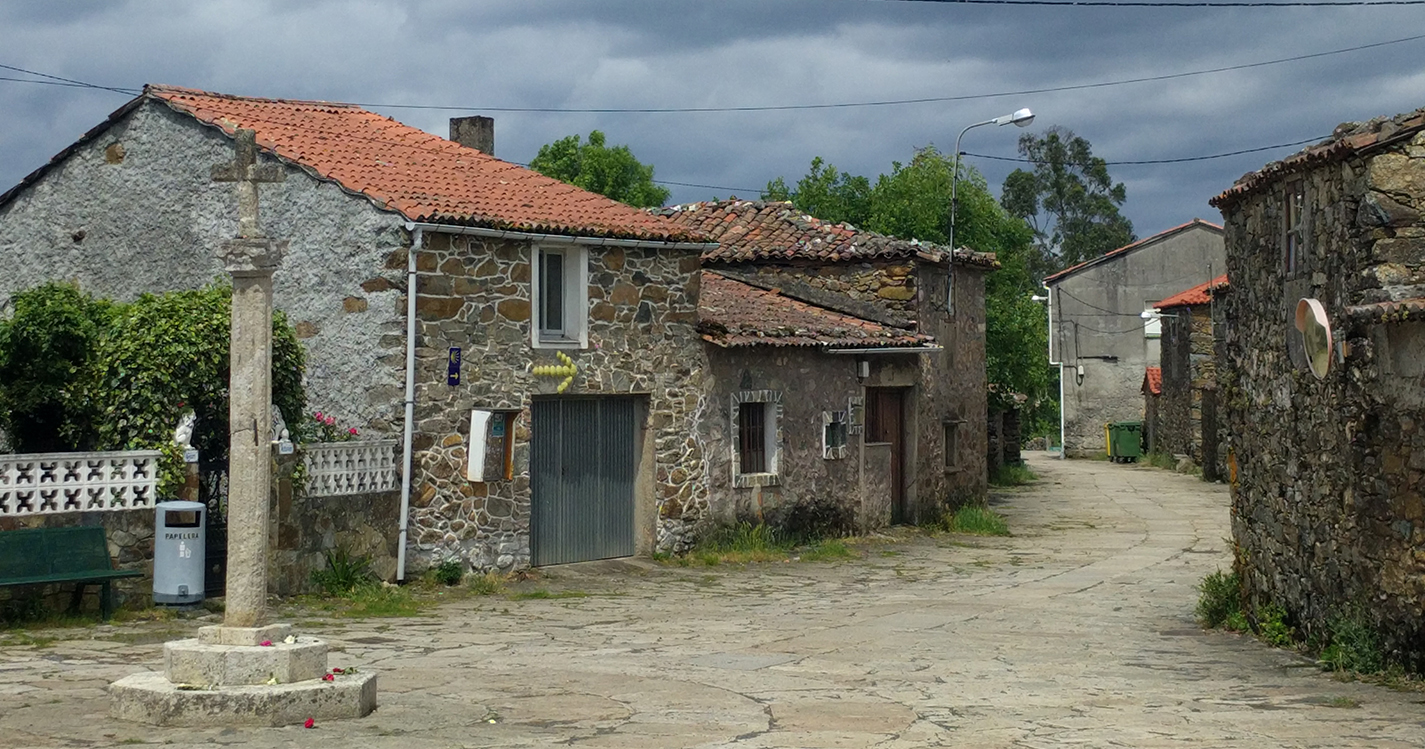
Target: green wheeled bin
[(1125, 441)]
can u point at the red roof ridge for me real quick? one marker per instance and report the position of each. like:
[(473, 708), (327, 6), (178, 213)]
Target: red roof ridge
[(1136, 244), (1199, 294), (1153, 380), (158, 88)]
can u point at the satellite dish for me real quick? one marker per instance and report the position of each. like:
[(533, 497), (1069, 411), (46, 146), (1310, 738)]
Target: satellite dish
[(1315, 336)]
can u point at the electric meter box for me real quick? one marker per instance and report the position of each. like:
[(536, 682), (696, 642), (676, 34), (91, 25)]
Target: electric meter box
[(178, 544)]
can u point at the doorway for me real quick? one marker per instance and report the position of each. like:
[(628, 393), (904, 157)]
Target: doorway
[(885, 424)]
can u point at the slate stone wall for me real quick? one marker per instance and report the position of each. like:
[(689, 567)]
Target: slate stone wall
[(474, 293), (1328, 502), (1188, 370)]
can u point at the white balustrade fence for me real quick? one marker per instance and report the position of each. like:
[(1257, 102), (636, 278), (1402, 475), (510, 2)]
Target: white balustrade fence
[(50, 483), (336, 468)]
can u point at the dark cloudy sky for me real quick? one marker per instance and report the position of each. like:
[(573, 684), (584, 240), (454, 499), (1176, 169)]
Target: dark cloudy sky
[(727, 53)]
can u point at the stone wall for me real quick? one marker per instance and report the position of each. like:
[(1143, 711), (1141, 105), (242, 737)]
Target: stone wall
[(475, 294), (1327, 507), (151, 220), (1188, 370)]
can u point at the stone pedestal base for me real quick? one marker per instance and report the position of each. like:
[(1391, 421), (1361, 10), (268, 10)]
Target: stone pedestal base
[(227, 677), (151, 698)]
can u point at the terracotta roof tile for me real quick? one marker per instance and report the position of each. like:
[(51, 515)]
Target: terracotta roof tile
[(1196, 296), (751, 230), (732, 313), (1401, 310), (1129, 248), (422, 176), (1153, 380), (1348, 139)]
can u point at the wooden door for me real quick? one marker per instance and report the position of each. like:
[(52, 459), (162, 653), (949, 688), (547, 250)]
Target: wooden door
[(885, 424)]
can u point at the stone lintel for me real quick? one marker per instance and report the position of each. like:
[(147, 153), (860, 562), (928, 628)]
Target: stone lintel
[(150, 698), (199, 663), (252, 255), (225, 635)]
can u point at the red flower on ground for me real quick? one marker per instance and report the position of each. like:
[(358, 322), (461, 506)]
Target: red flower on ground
[(328, 677), (265, 643), (310, 723), (352, 431)]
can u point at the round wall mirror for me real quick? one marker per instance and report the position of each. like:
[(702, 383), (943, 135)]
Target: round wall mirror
[(1315, 336)]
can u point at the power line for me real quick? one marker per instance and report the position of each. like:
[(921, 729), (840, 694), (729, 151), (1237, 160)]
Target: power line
[(65, 81), (1144, 4), (1156, 161), (899, 102)]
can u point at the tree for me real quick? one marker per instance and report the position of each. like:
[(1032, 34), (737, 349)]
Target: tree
[(1069, 200), (913, 202), (611, 172)]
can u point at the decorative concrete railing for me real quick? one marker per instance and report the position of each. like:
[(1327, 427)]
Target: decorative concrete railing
[(336, 468), (50, 483)]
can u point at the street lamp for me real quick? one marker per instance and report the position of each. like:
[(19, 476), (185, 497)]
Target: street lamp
[(1021, 117)]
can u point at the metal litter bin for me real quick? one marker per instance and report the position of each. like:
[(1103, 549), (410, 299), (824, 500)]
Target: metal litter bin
[(178, 544), (1125, 441)]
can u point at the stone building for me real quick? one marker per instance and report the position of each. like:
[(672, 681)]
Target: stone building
[(1188, 423), (1152, 396), (1328, 501), (1098, 336), (868, 353), (511, 271)]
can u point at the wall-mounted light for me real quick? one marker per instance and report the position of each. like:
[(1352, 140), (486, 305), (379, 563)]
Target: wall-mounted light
[(1079, 375)]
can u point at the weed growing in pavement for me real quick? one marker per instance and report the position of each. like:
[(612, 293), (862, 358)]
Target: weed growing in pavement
[(1219, 601), (1272, 626), (827, 550), (344, 573), (1354, 644), (1162, 460), (976, 520), (1340, 701), (543, 594), (487, 584), (380, 600), (1013, 475), (448, 573)]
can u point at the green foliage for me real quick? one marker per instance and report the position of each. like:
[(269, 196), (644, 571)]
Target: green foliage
[(1355, 645), (487, 584), (816, 518), (380, 601), (544, 594), (448, 572), (1220, 599), (1013, 475), (612, 172), (827, 550), (913, 202), (45, 347), (1068, 198), (976, 520), (1272, 626), (344, 573)]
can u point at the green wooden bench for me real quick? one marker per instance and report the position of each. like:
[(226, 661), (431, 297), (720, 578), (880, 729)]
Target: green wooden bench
[(38, 556)]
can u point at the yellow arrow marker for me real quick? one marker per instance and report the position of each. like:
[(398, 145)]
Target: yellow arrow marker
[(567, 369)]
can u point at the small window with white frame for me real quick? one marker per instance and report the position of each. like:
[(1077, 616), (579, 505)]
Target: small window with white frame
[(833, 435), (1153, 321), (756, 438), (560, 296)]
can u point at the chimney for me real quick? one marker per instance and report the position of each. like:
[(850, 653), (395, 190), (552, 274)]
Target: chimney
[(474, 132)]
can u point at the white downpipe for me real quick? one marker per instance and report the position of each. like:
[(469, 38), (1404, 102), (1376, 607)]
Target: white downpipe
[(417, 235)]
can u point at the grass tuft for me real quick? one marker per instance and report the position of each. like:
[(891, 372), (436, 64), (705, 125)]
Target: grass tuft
[(1354, 645), (827, 550), (448, 573), (380, 601), (344, 573), (1219, 602), (978, 521), (544, 594), (1013, 475), (488, 584)]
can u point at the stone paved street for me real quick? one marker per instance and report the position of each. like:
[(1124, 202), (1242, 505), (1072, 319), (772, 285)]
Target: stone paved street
[(1078, 631)]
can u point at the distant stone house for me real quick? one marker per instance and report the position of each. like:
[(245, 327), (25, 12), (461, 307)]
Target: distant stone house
[(1098, 336), (1328, 501), (511, 270), (845, 367), (1188, 422)]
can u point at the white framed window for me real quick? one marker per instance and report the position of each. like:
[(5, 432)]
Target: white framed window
[(833, 435), (559, 296), (756, 438), (1153, 325)]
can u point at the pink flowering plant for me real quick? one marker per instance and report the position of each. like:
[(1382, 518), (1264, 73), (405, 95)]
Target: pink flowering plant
[(323, 427)]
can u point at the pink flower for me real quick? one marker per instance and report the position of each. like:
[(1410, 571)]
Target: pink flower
[(352, 431), (338, 670), (318, 415), (310, 723), (328, 677), (330, 420), (265, 643)]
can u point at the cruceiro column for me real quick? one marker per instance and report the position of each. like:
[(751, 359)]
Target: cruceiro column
[(246, 671)]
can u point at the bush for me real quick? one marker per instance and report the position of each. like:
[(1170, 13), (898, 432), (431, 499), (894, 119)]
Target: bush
[(1219, 601), (487, 584), (977, 520), (1354, 643), (344, 573), (1272, 626), (449, 572)]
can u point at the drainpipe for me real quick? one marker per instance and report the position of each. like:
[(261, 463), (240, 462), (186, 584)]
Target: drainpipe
[(417, 234), (1063, 454)]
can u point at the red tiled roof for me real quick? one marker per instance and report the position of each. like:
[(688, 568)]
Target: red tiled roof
[(422, 176), (1197, 295), (1153, 380), (732, 313), (752, 230), (1130, 247), (1348, 139)]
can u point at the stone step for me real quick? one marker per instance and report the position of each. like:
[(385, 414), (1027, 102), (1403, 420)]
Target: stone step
[(152, 698), (197, 663)]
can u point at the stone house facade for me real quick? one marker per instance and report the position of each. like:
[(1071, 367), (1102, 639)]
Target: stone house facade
[(1152, 414), (1097, 334), (511, 270), (1328, 498), (1188, 422), (873, 343)]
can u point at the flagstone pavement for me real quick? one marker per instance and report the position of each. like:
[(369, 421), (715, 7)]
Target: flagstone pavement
[(1075, 631)]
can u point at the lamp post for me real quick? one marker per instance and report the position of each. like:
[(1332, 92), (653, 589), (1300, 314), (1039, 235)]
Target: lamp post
[(1021, 117)]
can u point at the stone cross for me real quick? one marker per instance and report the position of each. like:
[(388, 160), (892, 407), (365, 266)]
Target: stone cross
[(251, 258), (247, 173)]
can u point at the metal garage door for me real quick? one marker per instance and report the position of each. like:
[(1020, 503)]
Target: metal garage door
[(582, 467)]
